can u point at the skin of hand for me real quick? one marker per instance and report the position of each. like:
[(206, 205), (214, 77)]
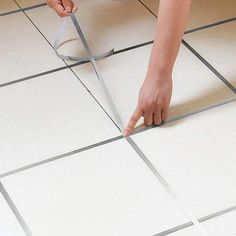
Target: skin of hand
[(155, 93), (62, 7)]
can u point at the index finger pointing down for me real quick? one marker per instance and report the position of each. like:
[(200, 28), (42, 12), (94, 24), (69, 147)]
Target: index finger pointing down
[(133, 121)]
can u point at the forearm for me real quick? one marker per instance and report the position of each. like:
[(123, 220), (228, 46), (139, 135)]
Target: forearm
[(171, 23)]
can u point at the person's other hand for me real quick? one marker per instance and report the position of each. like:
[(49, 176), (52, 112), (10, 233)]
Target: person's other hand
[(62, 7), (153, 102)]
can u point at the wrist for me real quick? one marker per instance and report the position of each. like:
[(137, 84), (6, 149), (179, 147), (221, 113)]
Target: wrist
[(157, 72)]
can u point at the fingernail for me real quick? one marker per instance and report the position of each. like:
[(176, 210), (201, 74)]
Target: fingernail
[(68, 9)]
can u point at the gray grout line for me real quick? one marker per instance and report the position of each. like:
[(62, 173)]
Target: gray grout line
[(201, 220), (71, 70), (198, 28), (68, 66), (148, 9), (140, 130), (116, 52), (210, 25), (131, 142), (41, 74), (15, 210), (186, 211), (183, 116), (23, 9), (64, 155), (226, 82)]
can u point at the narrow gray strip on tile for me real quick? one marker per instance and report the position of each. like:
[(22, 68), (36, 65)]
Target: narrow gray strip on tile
[(179, 117), (187, 212), (221, 77), (198, 28), (210, 25), (23, 9), (69, 66), (202, 219), (148, 8), (120, 126), (64, 155), (15, 210)]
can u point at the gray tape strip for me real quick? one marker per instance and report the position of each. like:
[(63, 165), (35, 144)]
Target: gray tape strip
[(99, 76), (185, 210), (58, 44), (15, 210), (202, 219), (137, 130)]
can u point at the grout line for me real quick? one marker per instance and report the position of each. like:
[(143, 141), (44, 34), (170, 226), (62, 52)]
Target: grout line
[(67, 66), (198, 28), (221, 77), (32, 76), (64, 155), (120, 126), (79, 63), (210, 25), (15, 210), (148, 8), (23, 9), (186, 211), (41, 74), (183, 116), (70, 65), (133, 47), (67, 154), (202, 219)]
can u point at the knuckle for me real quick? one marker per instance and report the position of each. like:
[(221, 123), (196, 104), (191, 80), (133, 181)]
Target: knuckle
[(60, 14)]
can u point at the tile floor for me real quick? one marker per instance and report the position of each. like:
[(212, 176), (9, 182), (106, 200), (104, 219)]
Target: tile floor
[(65, 167)]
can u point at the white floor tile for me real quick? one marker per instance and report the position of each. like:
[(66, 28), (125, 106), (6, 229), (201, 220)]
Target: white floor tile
[(48, 116), (195, 86), (24, 53), (196, 155), (106, 24), (222, 225), (8, 223), (28, 3), (7, 5), (203, 12), (104, 191), (217, 46)]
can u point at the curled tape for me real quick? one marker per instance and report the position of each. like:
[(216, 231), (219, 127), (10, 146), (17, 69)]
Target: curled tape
[(58, 43)]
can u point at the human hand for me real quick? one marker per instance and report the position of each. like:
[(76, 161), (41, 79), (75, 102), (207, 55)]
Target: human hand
[(153, 102), (62, 7)]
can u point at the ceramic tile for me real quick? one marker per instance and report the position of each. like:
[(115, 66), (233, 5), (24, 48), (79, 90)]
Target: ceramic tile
[(106, 24), (217, 46), (48, 116), (103, 191), (7, 5), (28, 3), (195, 86), (222, 225), (8, 223), (196, 156), (24, 53), (203, 12)]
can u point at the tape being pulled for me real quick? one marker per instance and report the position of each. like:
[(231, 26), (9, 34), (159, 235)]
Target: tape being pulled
[(187, 212), (58, 43)]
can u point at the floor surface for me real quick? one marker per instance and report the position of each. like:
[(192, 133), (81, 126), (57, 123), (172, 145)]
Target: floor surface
[(65, 167)]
